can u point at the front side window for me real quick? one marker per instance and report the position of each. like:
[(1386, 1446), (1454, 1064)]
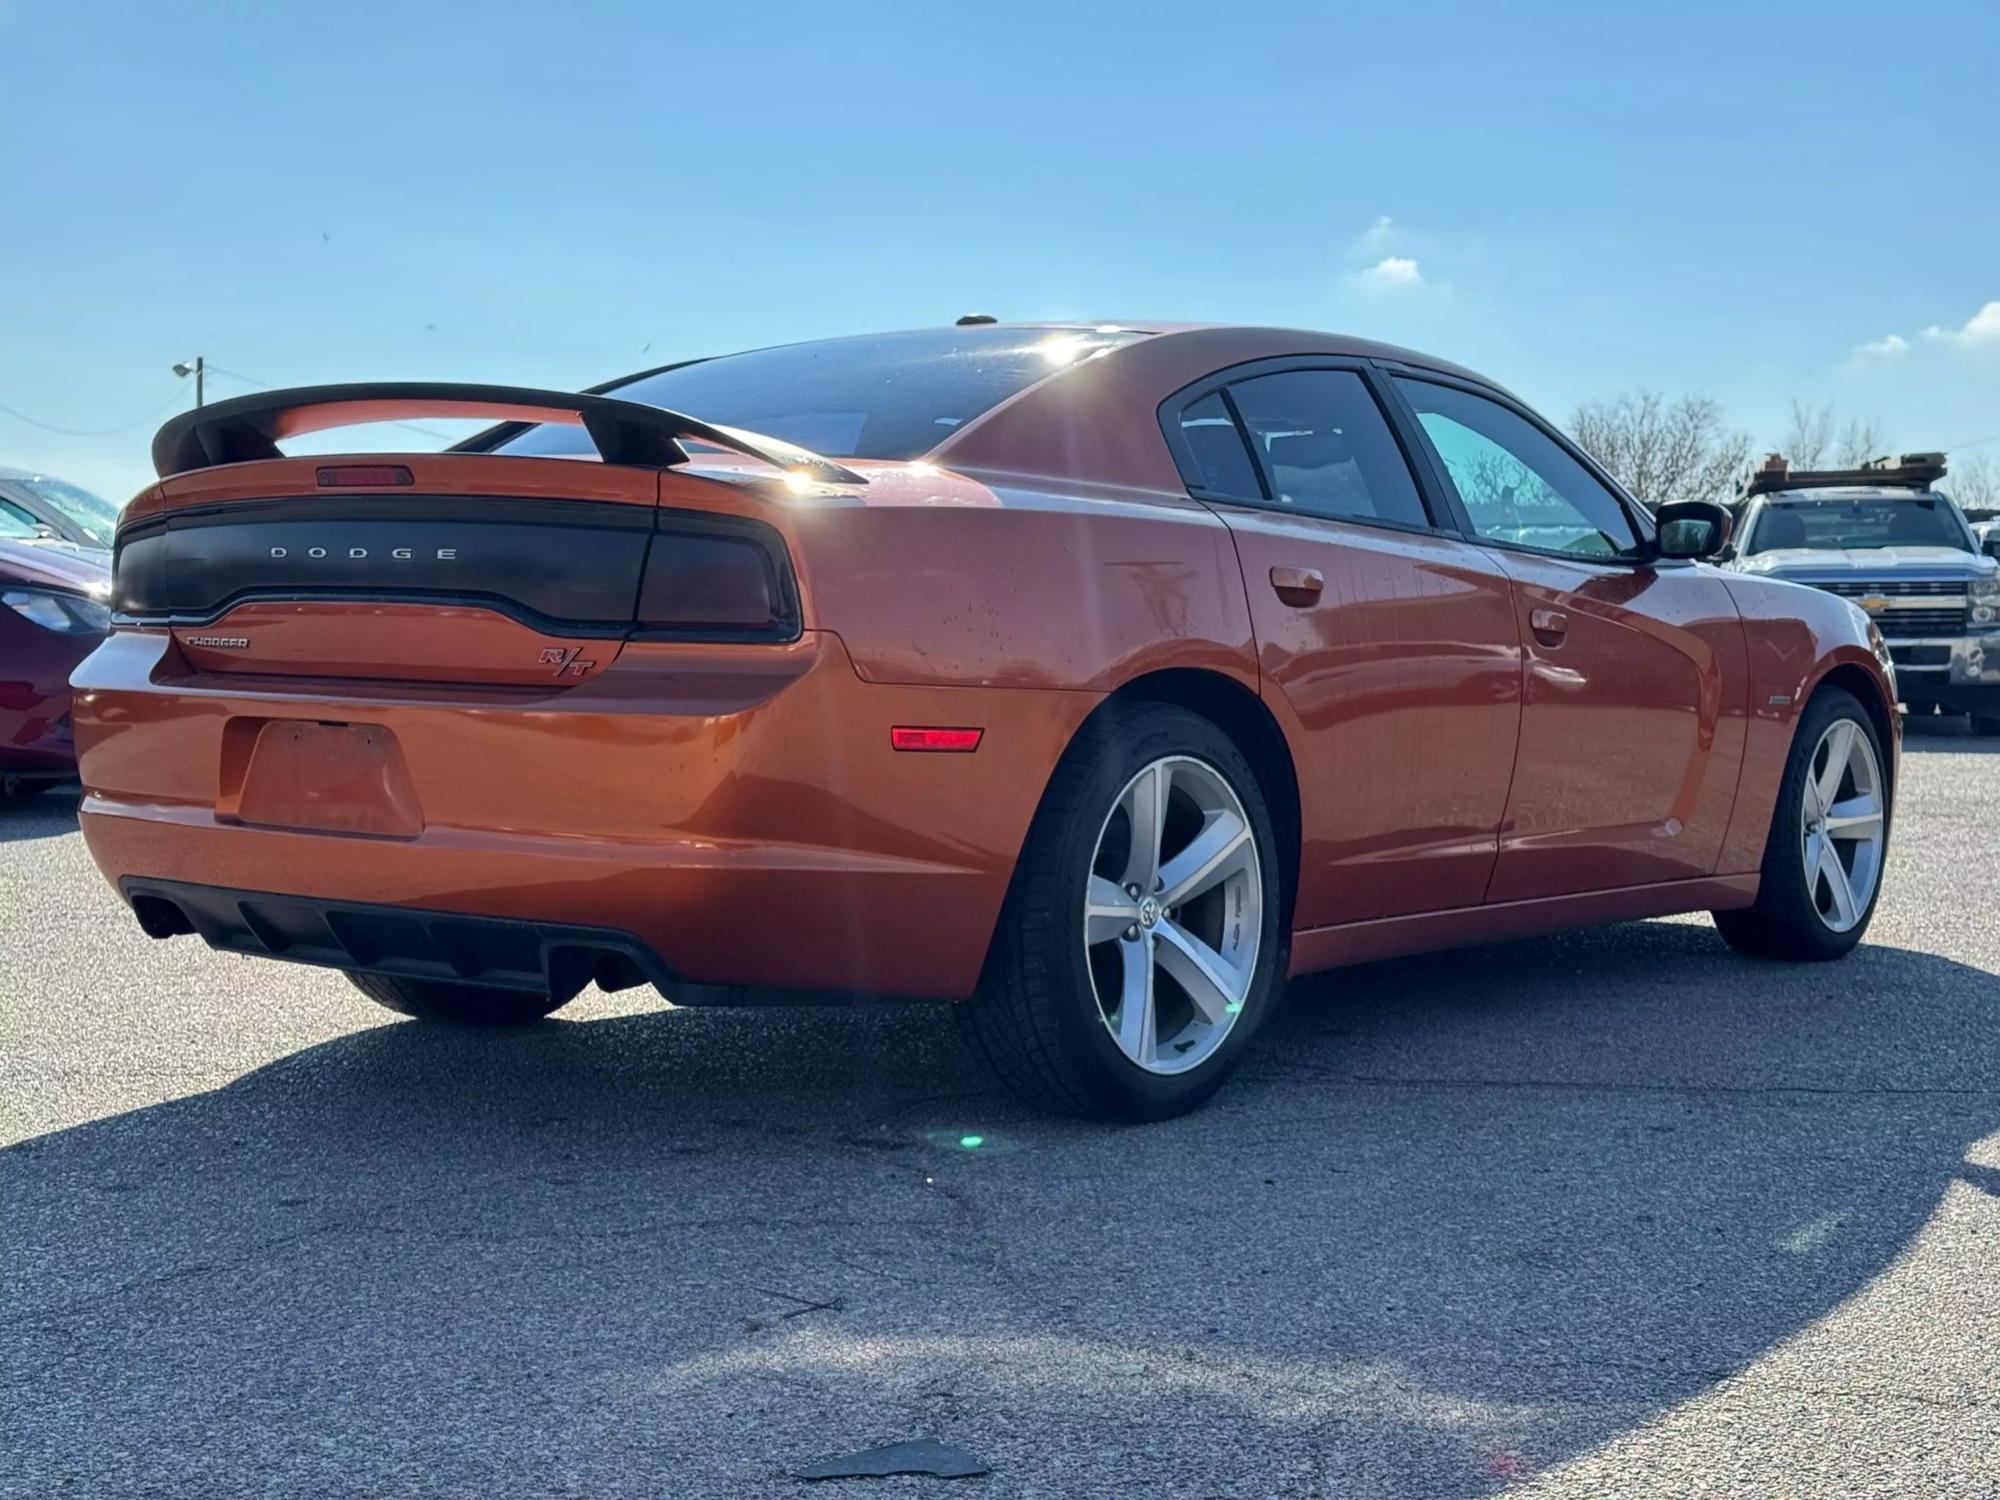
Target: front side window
[(1517, 483), (1326, 449)]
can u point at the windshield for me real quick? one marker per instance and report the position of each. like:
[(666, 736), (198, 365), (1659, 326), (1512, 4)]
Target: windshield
[(1860, 524), (895, 395), (95, 516)]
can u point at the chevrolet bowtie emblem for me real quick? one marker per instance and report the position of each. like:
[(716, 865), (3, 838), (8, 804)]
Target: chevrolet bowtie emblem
[(1874, 603)]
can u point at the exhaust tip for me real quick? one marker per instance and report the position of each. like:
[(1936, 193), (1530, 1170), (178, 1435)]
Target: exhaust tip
[(160, 918)]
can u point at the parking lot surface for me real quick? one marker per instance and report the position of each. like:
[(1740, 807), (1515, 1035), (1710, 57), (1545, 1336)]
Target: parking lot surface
[(1617, 1213)]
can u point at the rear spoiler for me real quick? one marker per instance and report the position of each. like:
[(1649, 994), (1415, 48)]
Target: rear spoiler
[(245, 428)]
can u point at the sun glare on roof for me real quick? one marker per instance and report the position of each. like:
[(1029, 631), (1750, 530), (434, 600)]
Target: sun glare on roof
[(1063, 348)]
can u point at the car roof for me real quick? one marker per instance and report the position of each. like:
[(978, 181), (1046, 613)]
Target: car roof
[(1036, 429), (1277, 342), (1850, 493), (1042, 429)]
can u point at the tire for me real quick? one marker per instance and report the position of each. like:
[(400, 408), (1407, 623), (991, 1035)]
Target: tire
[(25, 788), (460, 1004), (1794, 918), (1037, 1017), (1986, 725)]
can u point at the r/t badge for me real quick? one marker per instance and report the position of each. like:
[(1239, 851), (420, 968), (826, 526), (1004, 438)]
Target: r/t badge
[(569, 661)]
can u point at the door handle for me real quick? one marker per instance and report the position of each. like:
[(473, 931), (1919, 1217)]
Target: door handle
[(1551, 626), (1298, 587)]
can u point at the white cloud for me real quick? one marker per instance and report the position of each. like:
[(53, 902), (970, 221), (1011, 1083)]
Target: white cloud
[(1392, 271), (1889, 346), (1983, 327), (1388, 260)]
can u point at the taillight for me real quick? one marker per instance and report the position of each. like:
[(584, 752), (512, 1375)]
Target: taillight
[(364, 476), (717, 578)]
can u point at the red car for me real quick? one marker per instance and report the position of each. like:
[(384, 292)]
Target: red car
[(55, 613), (1101, 678)]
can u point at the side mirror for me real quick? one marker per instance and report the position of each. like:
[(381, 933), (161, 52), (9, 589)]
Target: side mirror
[(1692, 528), (1991, 546)]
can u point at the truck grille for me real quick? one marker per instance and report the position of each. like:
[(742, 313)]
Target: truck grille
[(1908, 609), (1904, 623), (1897, 589)]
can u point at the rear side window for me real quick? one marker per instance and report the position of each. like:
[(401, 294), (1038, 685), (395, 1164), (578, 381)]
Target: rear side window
[(892, 395), (1326, 449), (1215, 443)]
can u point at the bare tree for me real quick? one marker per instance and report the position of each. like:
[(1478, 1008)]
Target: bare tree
[(1810, 435), (1816, 439), (1663, 449), (1974, 483), (1860, 440)]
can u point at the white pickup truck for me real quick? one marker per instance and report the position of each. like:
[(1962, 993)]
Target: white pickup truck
[(1884, 537)]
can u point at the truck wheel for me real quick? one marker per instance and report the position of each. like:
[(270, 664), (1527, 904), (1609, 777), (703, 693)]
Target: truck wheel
[(461, 1004), (1138, 952), (1822, 870)]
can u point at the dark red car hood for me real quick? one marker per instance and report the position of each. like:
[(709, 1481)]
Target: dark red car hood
[(54, 565)]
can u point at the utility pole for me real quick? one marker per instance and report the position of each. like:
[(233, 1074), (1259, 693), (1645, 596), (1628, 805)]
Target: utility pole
[(196, 370)]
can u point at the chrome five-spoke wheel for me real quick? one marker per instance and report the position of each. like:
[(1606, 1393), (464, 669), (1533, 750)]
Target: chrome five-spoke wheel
[(1822, 868), (1173, 914), (1841, 830), (1141, 949)]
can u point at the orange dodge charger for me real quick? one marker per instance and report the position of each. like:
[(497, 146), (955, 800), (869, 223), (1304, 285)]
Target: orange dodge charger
[(1093, 677)]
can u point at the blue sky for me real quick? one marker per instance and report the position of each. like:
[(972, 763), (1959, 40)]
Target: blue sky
[(1575, 199)]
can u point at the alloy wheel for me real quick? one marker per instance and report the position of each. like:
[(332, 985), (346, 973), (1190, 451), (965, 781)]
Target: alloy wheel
[(1842, 832), (1173, 914)]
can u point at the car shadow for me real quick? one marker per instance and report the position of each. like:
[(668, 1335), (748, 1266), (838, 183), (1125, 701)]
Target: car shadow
[(1458, 1218), (43, 815)]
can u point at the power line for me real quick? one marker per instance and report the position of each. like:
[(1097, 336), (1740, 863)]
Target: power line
[(21, 416), (1991, 437)]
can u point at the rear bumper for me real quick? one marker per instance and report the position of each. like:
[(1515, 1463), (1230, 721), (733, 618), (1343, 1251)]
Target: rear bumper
[(397, 940), (736, 813)]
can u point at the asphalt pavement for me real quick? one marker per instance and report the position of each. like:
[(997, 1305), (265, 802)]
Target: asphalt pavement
[(1617, 1213)]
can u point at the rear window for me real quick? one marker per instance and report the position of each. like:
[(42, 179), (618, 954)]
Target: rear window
[(1862, 523), (891, 395)]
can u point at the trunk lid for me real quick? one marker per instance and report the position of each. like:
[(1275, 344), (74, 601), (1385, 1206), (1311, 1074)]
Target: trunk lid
[(478, 570), (481, 570)]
